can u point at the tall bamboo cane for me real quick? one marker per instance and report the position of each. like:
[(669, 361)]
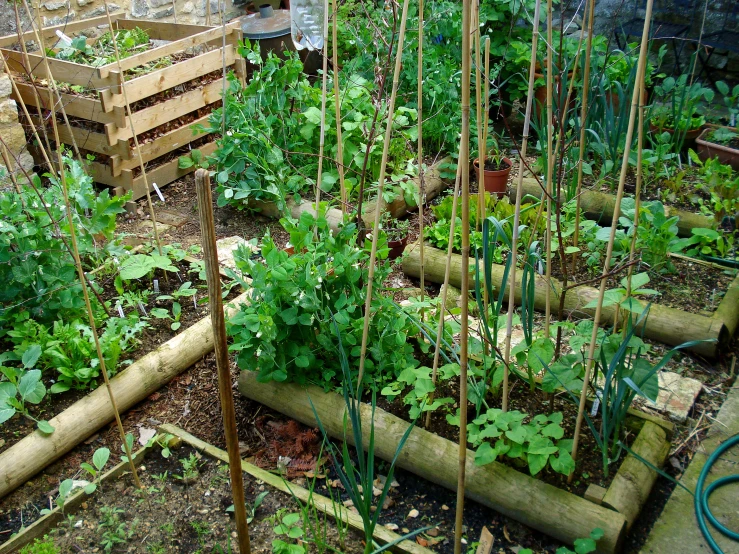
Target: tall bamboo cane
[(324, 81), (464, 162), (86, 294), (152, 214), (480, 132), (380, 188), (337, 109), (616, 213), (444, 290), (519, 195), (637, 199), (421, 183), (583, 116), (550, 168)]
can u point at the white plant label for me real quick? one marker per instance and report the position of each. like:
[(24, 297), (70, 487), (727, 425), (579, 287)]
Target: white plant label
[(120, 310), (143, 310), (159, 192), (156, 286)]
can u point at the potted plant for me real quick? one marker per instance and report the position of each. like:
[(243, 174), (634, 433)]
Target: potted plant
[(680, 113), (721, 143), (396, 231), (496, 171), (718, 141)]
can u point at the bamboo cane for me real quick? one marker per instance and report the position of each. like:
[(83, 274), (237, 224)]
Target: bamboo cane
[(616, 213), (152, 214), (444, 289), (337, 109), (464, 161), (482, 154), (637, 200), (52, 81), (551, 155), (380, 188), (324, 81), (421, 184), (86, 295), (218, 323), (583, 115), (517, 213)]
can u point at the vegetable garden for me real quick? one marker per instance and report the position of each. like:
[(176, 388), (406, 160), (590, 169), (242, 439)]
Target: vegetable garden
[(480, 265)]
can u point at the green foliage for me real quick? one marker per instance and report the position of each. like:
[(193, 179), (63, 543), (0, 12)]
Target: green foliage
[(708, 242), (535, 444), (40, 546), (99, 461), (721, 182), (23, 386), (286, 333), (114, 531), (680, 110), (102, 51), (37, 269)]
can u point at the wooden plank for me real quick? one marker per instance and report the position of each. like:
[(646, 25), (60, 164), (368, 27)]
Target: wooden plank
[(74, 105), (62, 71), (177, 46), (165, 173), (322, 503), (68, 28), (156, 115), (167, 78), (156, 148), (87, 140), (161, 30)]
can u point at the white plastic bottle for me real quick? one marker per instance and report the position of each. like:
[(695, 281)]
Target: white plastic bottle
[(307, 23)]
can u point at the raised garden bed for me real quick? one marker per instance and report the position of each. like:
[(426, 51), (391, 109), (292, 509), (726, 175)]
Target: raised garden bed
[(544, 507), (667, 325), (158, 98), (726, 153)]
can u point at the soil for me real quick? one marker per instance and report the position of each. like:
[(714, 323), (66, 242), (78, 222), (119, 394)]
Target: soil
[(191, 402)]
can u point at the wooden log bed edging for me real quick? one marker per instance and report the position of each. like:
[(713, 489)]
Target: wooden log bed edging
[(664, 324), (599, 206), (553, 511), (34, 452)]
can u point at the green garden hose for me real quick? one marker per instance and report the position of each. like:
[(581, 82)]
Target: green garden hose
[(702, 509)]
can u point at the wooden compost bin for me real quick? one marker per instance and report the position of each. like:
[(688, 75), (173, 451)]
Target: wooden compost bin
[(110, 131)]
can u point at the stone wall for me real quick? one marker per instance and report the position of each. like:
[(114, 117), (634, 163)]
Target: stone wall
[(13, 145)]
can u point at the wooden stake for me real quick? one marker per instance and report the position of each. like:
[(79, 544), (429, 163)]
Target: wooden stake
[(464, 162), (133, 130), (324, 81), (380, 189), (583, 117), (616, 213), (337, 109), (517, 213), (218, 321)]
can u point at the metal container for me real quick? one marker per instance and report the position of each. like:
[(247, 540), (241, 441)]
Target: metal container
[(271, 28)]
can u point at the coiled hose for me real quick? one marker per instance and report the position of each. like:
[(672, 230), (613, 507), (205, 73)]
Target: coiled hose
[(702, 509)]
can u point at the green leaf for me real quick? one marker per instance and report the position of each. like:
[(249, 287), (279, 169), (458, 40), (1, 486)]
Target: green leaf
[(31, 388), (517, 435), (485, 454), (45, 427), (553, 430), (89, 489), (540, 354), (31, 356), (302, 361), (585, 546), (537, 462), (100, 458)]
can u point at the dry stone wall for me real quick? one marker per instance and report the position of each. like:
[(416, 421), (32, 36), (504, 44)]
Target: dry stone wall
[(15, 158)]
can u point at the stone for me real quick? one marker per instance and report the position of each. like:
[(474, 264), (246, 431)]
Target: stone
[(82, 3), (6, 87), (226, 248), (101, 10), (15, 139), (60, 20), (26, 161), (139, 8), (189, 7), (159, 3), (676, 395), (214, 8), (163, 13), (53, 6)]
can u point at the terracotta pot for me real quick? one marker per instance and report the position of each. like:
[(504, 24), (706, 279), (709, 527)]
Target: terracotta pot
[(615, 101), (707, 149), (397, 247), (540, 96), (690, 136), (496, 182)]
